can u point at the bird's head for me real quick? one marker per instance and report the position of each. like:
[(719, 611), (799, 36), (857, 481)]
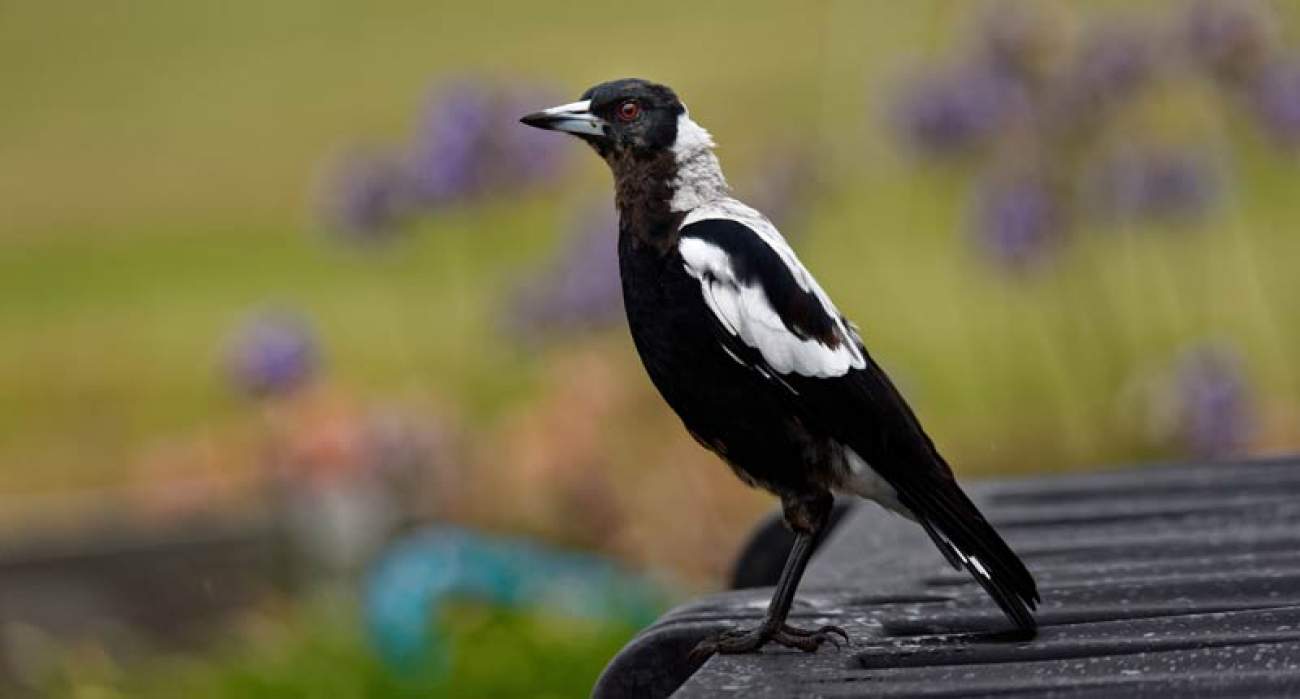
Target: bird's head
[(618, 118), (662, 161)]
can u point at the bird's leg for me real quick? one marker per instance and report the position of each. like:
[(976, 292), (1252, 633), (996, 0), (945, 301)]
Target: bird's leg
[(807, 516)]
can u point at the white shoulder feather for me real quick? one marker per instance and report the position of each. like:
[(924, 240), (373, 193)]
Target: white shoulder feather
[(742, 306)]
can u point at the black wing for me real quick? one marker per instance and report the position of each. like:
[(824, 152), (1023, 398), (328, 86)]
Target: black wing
[(771, 316)]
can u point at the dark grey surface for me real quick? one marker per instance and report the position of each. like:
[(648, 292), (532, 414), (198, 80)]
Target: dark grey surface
[(120, 583), (1161, 581)]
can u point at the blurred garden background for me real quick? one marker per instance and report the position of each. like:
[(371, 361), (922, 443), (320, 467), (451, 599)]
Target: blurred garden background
[(313, 374)]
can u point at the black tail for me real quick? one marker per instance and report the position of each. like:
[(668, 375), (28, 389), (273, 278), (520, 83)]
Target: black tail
[(968, 541), (885, 433)]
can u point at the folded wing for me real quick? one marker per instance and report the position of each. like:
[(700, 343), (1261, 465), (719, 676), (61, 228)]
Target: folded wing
[(774, 318), (765, 298)]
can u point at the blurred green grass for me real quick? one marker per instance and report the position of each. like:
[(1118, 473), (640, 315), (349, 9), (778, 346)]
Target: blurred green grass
[(156, 161), (156, 175), (317, 652)]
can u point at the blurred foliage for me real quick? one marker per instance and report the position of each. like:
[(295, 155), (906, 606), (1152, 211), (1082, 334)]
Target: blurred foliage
[(314, 651), (156, 178)]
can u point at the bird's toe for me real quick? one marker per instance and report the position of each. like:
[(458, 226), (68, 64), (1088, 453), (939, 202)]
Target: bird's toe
[(730, 642), (809, 640), (748, 640)]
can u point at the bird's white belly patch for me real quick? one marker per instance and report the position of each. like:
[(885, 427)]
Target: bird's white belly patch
[(862, 480)]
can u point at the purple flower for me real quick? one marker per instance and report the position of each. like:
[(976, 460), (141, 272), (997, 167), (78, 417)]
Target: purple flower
[(272, 353), (1113, 62), (1020, 39), (1231, 39), (1157, 183), (1018, 222), (365, 197), (580, 288), (1276, 97), (1213, 399), (468, 144), (451, 140), (943, 114)]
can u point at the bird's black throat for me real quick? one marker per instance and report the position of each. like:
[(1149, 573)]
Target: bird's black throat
[(643, 193)]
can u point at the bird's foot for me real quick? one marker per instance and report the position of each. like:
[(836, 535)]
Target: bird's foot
[(749, 640)]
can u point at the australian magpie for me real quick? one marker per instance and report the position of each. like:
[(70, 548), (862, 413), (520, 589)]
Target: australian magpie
[(755, 359)]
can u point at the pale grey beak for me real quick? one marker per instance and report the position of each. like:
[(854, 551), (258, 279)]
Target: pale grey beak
[(575, 118)]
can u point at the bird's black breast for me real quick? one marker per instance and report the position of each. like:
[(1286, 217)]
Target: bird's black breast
[(728, 407)]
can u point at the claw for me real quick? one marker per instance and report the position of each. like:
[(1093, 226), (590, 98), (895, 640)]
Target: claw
[(701, 652), (829, 629)]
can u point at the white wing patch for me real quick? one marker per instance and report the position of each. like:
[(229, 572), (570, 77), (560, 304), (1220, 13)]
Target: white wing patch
[(744, 309)]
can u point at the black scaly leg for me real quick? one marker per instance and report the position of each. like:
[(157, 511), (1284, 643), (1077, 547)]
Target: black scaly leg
[(807, 515)]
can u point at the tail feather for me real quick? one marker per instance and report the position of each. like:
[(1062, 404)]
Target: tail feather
[(945, 547), (884, 433), (968, 541)]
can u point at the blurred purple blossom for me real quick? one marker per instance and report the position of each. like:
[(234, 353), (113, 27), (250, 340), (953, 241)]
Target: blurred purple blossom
[(365, 197), (580, 288), (1018, 222), (1112, 63), (1232, 39), (946, 113), (1160, 183), (1213, 401), (447, 156), (468, 144), (1019, 39), (1276, 97), (272, 353)]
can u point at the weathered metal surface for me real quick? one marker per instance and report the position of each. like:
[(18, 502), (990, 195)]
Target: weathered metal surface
[(1169, 581)]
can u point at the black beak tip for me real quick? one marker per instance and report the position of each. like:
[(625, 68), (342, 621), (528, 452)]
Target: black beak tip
[(536, 119)]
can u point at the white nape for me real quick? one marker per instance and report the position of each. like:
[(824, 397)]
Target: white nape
[(699, 177)]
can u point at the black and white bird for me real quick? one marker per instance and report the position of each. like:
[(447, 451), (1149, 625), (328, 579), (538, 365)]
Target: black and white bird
[(754, 357)]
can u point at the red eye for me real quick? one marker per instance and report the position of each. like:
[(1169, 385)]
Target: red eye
[(629, 110)]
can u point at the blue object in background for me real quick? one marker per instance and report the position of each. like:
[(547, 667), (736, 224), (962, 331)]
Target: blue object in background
[(407, 588)]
